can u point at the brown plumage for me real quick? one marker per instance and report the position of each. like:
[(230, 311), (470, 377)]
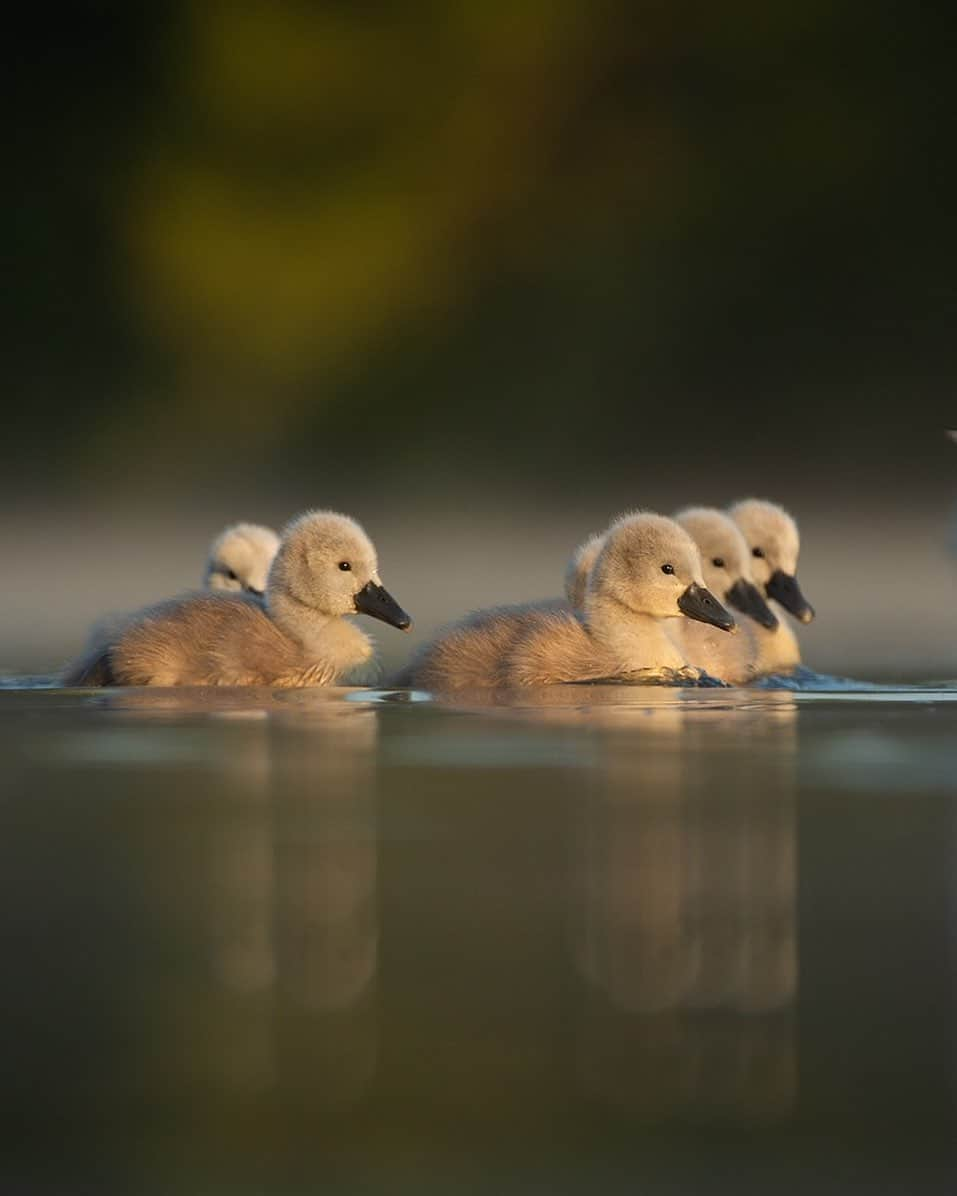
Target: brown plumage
[(558, 648), (535, 644), (325, 568), (646, 571), (238, 560), (203, 639), (473, 651)]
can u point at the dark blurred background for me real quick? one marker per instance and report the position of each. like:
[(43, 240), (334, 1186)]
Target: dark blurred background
[(481, 275)]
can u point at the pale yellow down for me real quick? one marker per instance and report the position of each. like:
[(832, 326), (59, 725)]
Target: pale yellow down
[(758, 650), (296, 636), (580, 565), (620, 633), (731, 658), (240, 558), (769, 527)]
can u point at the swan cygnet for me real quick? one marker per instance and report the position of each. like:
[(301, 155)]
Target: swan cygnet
[(646, 572), (580, 565), (772, 537), (240, 557), (726, 567), (296, 635)]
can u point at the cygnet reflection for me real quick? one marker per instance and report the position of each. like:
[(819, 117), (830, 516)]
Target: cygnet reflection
[(685, 911), (273, 886)]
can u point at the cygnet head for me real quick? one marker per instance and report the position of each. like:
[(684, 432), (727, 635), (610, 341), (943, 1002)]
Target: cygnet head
[(726, 562), (327, 564), (772, 537), (579, 567), (650, 566), (239, 558)]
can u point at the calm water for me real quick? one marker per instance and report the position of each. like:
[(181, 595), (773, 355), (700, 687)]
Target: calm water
[(609, 940)]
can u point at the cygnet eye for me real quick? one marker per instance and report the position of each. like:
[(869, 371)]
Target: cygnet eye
[(759, 552), (718, 562), (667, 568), (231, 575), (344, 566)]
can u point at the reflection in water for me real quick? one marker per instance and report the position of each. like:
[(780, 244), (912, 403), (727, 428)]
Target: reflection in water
[(325, 903), (236, 875), (195, 983), (684, 928), (280, 903)]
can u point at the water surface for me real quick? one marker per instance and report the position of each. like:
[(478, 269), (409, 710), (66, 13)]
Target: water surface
[(594, 939)]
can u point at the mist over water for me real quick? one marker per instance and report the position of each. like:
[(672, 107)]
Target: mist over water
[(880, 574)]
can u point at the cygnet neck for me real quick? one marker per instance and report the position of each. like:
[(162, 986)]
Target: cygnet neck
[(302, 623), (638, 640), (331, 639)]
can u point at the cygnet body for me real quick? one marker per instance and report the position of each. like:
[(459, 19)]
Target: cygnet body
[(775, 544), (647, 572), (240, 558), (297, 635), (726, 567)]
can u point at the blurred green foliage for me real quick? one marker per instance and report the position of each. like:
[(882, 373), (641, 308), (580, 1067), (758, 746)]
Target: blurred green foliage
[(248, 230)]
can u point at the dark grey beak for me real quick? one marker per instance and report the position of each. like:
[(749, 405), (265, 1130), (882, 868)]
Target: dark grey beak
[(746, 598), (698, 603), (784, 588), (255, 593), (377, 602)]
